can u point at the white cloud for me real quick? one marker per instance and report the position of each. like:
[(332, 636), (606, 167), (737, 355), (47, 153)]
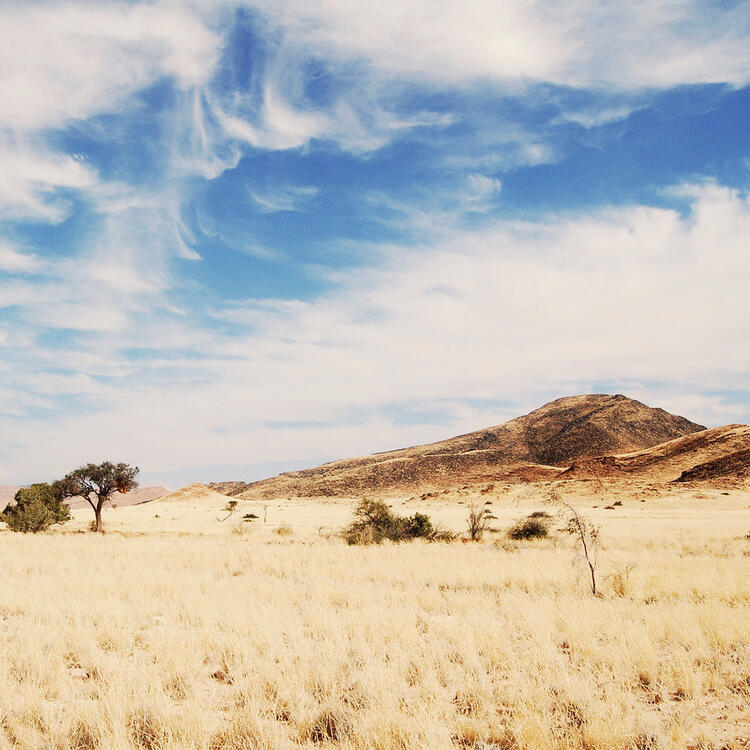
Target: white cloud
[(592, 117), (30, 176), (13, 260), (628, 295), (515, 311), (480, 190), (375, 52), (119, 272), (64, 61), (355, 121), (283, 198), (634, 44)]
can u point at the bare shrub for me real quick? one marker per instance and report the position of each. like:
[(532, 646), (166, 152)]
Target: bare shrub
[(584, 531), (620, 581), (230, 508), (441, 534), (477, 522)]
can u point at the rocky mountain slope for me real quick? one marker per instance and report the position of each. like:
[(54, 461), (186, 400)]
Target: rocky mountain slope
[(537, 446), (719, 453)]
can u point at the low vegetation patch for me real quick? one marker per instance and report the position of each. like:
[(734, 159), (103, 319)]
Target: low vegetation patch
[(540, 514), (36, 508), (531, 527), (375, 522), (478, 521)]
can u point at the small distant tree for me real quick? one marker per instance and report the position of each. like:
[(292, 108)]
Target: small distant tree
[(36, 508), (96, 483), (230, 508), (584, 531)]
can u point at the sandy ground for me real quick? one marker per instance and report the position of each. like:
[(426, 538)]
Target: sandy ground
[(695, 513)]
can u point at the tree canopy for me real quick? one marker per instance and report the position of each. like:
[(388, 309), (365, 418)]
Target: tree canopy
[(37, 507), (96, 483)]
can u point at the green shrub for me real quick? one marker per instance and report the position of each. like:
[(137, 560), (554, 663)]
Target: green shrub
[(418, 526), (531, 527), (375, 521), (36, 508)]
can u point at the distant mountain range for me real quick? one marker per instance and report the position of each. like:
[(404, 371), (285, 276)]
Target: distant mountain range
[(577, 437), (141, 495)]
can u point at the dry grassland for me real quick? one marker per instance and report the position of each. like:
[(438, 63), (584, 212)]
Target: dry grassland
[(186, 632)]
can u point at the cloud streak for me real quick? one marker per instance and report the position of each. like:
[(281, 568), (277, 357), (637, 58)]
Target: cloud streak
[(627, 296), (628, 45)]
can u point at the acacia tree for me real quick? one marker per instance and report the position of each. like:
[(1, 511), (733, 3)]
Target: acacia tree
[(96, 483)]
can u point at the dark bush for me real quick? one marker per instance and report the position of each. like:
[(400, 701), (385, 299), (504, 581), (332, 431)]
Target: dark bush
[(529, 528), (36, 508), (418, 526), (375, 521)]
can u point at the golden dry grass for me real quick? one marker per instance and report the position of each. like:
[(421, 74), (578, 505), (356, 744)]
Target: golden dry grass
[(153, 637)]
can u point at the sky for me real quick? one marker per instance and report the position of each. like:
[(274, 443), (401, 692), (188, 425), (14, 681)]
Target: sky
[(239, 238)]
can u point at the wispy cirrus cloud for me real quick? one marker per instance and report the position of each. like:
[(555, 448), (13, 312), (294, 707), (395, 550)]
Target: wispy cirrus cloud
[(627, 45), (31, 178), (13, 260), (225, 219), (283, 198)]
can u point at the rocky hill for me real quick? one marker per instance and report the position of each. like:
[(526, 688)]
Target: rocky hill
[(722, 452), (730, 468), (195, 493), (537, 446)]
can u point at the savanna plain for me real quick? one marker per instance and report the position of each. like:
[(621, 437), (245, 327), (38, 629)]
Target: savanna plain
[(184, 628)]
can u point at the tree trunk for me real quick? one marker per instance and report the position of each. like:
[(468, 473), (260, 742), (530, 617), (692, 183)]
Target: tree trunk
[(98, 524), (593, 577)]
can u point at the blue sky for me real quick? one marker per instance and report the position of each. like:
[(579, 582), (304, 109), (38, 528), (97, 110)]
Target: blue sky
[(239, 238)]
